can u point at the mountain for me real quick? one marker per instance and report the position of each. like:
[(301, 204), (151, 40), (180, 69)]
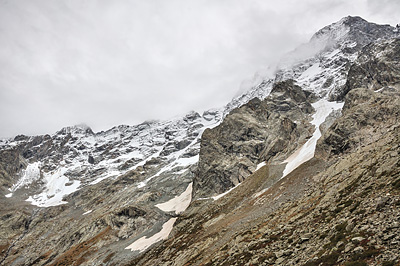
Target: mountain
[(301, 169)]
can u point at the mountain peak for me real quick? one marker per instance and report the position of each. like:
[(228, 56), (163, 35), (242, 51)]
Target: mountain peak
[(349, 34), (78, 129), (350, 29), (353, 19)]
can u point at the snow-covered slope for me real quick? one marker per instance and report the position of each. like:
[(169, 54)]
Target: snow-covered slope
[(75, 157), (322, 109), (321, 65)]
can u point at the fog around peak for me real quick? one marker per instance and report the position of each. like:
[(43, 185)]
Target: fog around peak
[(106, 63)]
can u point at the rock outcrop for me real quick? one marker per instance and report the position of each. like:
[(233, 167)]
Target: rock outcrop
[(11, 163), (322, 65), (377, 67), (258, 131)]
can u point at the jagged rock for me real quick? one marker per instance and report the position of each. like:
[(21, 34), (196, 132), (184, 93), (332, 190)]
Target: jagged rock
[(11, 163), (305, 238), (381, 203), (255, 132), (344, 134), (358, 250), (90, 159), (339, 244), (96, 215), (377, 67), (356, 240), (348, 247), (335, 46), (131, 212)]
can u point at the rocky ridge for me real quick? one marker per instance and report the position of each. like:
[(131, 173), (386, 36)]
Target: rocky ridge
[(339, 208), (256, 132), (321, 66)]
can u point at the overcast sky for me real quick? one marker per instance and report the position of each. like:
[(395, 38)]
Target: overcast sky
[(106, 63)]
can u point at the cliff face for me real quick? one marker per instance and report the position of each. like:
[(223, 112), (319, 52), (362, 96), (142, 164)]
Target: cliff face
[(269, 130), (11, 162), (377, 67), (342, 207), (259, 131)]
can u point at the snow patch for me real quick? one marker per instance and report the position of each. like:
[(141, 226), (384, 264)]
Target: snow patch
[(57, 186), (332, 54), (145, 242), (176, 160), (260, 192), (179, 203), (9, 195), (31, 174), (225, 193), (141, 184), (187, 161), (260, 165), (310, 73), (89, 211), (306, 152), (352, 45)]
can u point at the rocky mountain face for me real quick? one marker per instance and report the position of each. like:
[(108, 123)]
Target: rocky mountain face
[(363, 73), (256, 132), (339, 208), (64, 189), (280, 175), (322, 65)]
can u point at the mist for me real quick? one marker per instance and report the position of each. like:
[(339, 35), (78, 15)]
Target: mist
[(105, 63)]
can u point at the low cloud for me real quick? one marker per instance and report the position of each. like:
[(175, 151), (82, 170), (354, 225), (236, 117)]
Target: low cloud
[(105, 63)]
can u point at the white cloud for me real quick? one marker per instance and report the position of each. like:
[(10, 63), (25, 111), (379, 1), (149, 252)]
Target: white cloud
[(111, 62)]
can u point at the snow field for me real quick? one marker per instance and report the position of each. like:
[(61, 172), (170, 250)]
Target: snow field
[(145, 242), (323, 108), (179, 203)]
